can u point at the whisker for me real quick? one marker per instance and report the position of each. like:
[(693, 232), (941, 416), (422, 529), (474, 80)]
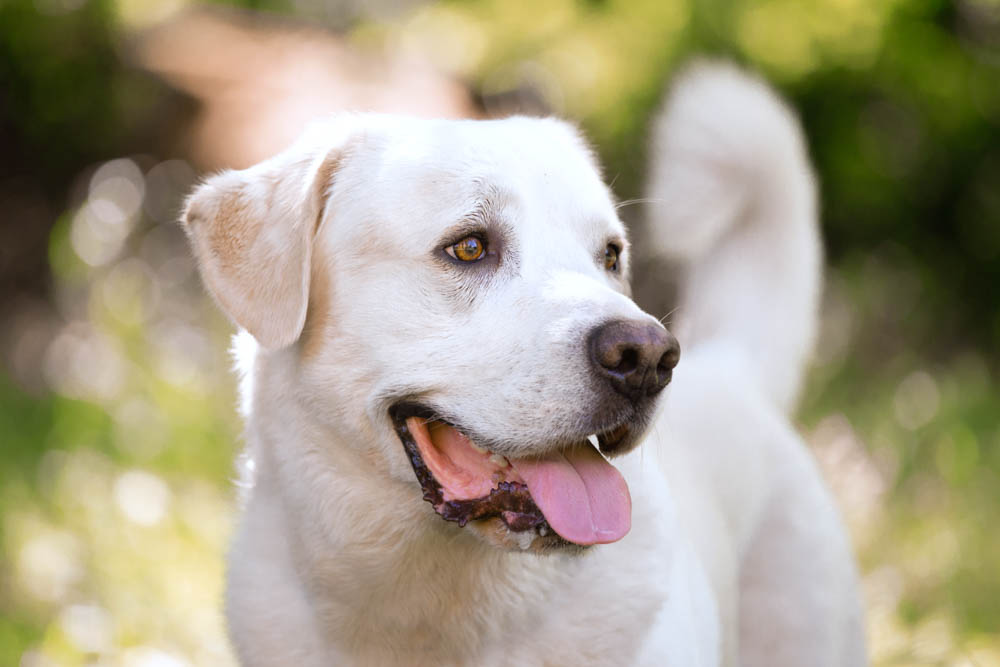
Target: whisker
[(640, 200), (663, 320)]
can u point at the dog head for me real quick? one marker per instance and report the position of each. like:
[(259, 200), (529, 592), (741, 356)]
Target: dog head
[(455, 297)]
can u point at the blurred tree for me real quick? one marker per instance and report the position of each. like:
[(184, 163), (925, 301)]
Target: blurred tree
[(908, 152), (67, 100)]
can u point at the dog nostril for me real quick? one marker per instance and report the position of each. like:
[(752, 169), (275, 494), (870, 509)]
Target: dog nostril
[(629, 362), (669, 358)]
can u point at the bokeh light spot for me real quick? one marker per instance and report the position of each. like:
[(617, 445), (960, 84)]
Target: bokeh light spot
[(142, 497), (88, 626), (49, 564), (916, 401)]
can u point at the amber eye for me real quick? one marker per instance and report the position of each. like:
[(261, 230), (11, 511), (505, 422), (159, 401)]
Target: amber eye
[(469, 249), (611, 257)]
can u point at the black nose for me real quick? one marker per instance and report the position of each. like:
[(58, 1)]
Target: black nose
[(636, 358)]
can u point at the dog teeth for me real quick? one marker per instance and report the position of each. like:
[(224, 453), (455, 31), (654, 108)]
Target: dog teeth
[(498, 460), (481, 450), (593, 440)]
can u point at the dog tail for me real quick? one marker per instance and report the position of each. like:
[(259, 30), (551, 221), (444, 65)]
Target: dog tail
[(733, 206)]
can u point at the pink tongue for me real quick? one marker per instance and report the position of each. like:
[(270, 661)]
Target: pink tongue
[(583, 497)]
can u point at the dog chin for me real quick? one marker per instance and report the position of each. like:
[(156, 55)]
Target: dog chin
[(541, 540)]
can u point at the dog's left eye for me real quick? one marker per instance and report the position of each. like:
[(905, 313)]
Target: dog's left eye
[(469, 249), (611, 257)]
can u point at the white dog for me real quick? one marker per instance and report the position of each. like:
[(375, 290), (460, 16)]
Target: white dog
[(442, 338)]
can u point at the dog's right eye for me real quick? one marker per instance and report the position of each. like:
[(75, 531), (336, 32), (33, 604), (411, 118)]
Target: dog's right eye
[(611, 257), (469, 249)]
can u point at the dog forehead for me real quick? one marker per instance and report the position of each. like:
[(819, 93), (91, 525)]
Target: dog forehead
[(442, 167)]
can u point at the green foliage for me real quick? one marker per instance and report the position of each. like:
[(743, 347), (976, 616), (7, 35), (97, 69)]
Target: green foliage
[(60, 73)]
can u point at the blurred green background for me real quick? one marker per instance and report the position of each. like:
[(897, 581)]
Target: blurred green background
[(117, 420)]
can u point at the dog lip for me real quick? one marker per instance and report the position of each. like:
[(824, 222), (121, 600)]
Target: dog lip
[(610, 440), (399, 412), (619, 432), (509, 501), (611, 433)]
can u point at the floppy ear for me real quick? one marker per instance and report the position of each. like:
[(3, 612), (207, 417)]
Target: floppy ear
[(252, 234)]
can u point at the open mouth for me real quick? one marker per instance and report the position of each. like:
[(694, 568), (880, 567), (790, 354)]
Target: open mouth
[(571, 494)]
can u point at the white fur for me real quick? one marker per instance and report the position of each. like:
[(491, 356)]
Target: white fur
[(338, 560), (734, 201), (734, 204)]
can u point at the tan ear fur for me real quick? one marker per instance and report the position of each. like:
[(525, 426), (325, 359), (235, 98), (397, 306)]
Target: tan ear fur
[(252, 234)]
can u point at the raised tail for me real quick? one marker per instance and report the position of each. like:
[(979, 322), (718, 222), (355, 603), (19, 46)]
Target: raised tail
[(733, 204)]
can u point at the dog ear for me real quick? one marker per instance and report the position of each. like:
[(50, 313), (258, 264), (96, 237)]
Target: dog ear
[(252, 234)]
